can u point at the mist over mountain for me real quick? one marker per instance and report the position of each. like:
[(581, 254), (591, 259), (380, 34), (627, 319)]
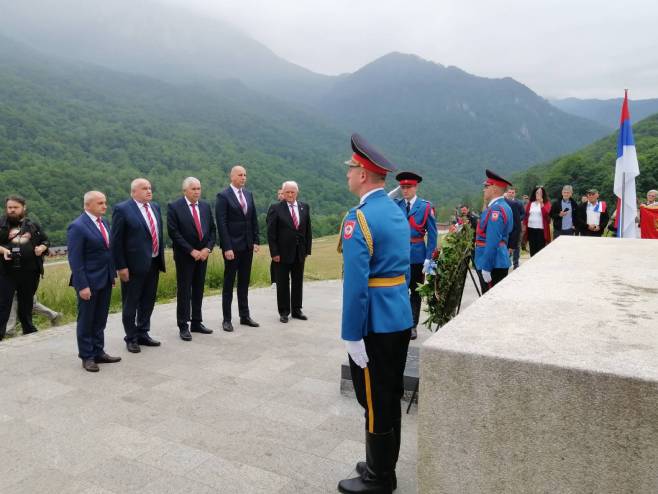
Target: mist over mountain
[(450, 123), (149, 38), (607, 111)]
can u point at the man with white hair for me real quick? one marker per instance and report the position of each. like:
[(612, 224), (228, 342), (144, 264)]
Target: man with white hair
[(290, 238), (563, 213), (652, 195), (92, 276), (192, 232), (138, 250)]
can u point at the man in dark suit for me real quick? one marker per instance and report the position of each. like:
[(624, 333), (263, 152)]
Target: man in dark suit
[(92, 276), (138, 250), (592, 216), (192, 231), (289, 237), (237, 226)]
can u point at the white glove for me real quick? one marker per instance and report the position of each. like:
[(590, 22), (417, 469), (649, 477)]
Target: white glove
[(426, 266), (357, 350), (486, 276), (394, 193)]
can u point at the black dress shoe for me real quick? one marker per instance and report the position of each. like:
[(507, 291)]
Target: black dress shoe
[(227, 326), (133, 347), (283, 319), (200, 328), (185, 335), (299, 315), (248, 321), (89, 365), (147, 341), (106, 359)]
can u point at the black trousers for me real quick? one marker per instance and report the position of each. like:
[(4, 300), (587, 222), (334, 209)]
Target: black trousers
[(416, 277), (138, 299), (190, 281), (496, 275), (24, 283), (380, 386), (536, 240), (289, 287), (92, 318), (240, 266)]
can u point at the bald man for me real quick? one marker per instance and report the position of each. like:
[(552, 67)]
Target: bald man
[(138, 249), (92, 276), (237, 228)]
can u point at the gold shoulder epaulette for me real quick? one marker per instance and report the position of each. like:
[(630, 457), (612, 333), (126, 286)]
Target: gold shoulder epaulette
[(365, 229)]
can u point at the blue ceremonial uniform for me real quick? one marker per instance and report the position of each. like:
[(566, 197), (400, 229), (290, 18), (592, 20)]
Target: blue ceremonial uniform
[(375, 309), (422, 222), (493, 229)]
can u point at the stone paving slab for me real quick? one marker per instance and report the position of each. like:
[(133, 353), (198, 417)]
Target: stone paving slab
[(254, 411)]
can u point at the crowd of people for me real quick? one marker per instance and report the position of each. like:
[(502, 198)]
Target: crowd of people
[(538, 220)]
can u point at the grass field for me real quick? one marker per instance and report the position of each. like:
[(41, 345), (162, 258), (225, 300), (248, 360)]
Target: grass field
[(55, 292)]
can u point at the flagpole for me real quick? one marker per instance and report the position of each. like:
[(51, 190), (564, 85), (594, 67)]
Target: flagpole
[(623, 194)]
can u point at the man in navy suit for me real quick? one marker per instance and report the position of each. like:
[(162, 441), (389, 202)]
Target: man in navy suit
[(237, 225), (192, 231), (92, 276), (138, 250)]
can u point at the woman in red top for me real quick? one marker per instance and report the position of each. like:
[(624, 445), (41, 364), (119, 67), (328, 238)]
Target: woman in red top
[(537, 221)]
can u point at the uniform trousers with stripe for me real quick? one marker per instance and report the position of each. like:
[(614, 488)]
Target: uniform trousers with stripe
[(380, 386), (416, 276)]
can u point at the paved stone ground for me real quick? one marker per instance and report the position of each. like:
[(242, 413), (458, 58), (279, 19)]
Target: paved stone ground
[(254, 411)]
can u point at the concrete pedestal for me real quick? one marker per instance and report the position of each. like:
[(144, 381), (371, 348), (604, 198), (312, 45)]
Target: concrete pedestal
[(548, 383)]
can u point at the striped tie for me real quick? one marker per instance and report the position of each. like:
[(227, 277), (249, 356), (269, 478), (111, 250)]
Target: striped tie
[(243, 204), (154, 233), (295, 221), (103, 232)]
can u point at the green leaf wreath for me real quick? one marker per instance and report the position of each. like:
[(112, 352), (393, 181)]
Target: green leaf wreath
[(444, 284)]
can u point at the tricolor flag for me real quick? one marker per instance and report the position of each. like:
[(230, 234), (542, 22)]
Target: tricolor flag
[(626, 169)]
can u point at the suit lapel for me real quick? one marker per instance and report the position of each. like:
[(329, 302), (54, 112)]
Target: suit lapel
[(94, 229), (414, 208), (138, 213), (233, 198)]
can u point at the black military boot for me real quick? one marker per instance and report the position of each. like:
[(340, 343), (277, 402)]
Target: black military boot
[(378, 475), (362, 466)]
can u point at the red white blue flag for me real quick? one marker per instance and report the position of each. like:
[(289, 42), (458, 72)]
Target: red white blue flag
[(626, 169)]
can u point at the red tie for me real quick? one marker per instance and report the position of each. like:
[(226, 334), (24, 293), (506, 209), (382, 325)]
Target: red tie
[(294, 217), (154, 234), (243, 204), (197, 223), (103, 232)]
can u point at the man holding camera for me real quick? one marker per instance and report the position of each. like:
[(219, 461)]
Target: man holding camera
[(562, 212), (22, 246)]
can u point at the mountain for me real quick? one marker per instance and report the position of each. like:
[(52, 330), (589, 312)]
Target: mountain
[(449, 124), (70, 127), (150, 38), (594, 166), (607, 111)]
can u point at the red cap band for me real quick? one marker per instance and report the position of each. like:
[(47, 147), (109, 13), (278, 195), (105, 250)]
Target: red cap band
[(368, 165), (408, 181), (497, 183)]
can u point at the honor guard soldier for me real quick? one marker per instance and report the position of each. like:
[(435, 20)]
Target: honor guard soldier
[(423, 235), (376, 319), (492, 232)]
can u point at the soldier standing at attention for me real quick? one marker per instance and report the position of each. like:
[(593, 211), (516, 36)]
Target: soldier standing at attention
[(422, 223), (496, 223), (376, 319)]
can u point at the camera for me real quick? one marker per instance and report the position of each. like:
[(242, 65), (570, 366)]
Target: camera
[(16, 257)]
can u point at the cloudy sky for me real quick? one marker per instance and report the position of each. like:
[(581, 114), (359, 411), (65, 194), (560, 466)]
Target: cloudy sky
[(559, 48)]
